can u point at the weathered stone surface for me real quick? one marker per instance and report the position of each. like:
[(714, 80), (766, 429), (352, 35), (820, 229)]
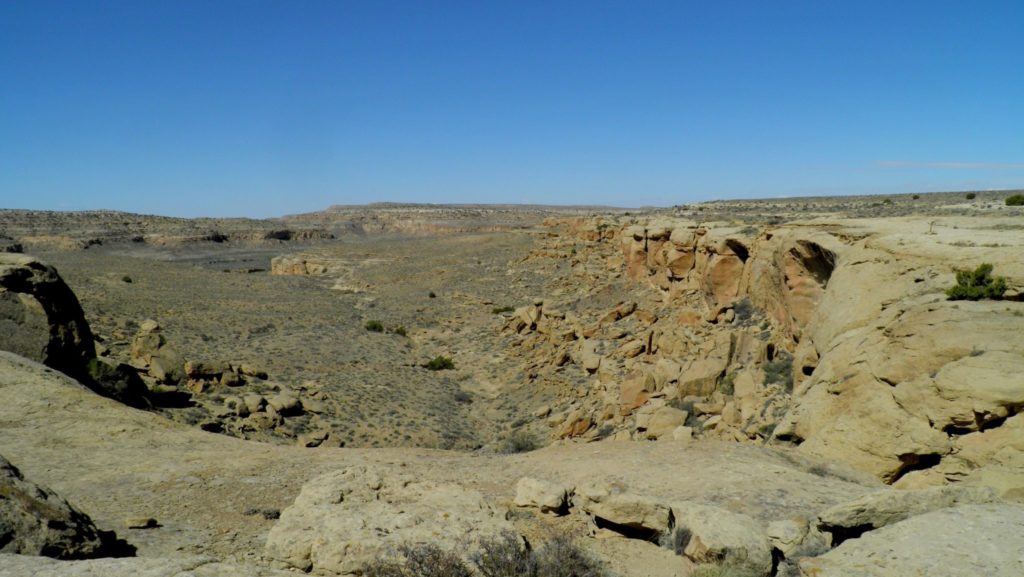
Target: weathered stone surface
[(178, 566), (630, 511), (716, 532), (876, 510), (544, 495), (36, 521), (343, 520), (40, 317), (953, 542)]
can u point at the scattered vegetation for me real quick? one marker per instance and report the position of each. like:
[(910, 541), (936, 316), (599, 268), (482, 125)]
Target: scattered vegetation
[(915, 197), (501, 556), (432, 295), (400, 331), (126, 279), (970, 196), (374, 326), (440, 363), (1015, 200), (562, 557), (977, 284), (519, 441), (500, 310)]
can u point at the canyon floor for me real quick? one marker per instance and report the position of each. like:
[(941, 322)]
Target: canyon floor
[(781, 382)]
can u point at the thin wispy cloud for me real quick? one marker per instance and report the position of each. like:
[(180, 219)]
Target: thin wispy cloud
[(952, 165)]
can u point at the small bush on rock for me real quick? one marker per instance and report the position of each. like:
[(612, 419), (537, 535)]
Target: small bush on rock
[(977, 284)]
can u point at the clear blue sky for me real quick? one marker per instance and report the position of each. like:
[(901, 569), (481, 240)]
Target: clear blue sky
[(264, 108)]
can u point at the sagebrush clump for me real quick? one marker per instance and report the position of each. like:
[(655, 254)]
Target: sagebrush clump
[(505, 555), (1015, 200), (440, 363), (977, 284)]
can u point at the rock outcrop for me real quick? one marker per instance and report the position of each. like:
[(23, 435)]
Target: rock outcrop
[(36, 521), (342, 521), (40, 317), (952, 542)]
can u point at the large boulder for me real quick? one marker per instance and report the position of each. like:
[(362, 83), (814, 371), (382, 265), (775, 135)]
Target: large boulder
[(36, 521), (544, 495), (40, 317), (953, 542), (635, 516), (713, 533), (343, 520)]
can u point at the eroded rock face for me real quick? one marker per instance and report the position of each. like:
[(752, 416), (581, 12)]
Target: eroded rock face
[(36, 521), (40, 317), (877, 510), (951, 542), (343, 520)]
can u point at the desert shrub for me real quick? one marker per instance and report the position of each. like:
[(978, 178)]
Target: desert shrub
[(432, 295), (970, 196), (562, 557), (374, 326), (463, 397), (519, 441), (780, 371), (126, 279), (440, 363), (915, 197), (977, 284), (400, 331), (501, 556), (505, 556), (420, 561), (727, 569), (1015, 200), (500, 310)]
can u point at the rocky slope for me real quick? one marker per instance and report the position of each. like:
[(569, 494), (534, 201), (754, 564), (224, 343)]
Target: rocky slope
[(833, 336)]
